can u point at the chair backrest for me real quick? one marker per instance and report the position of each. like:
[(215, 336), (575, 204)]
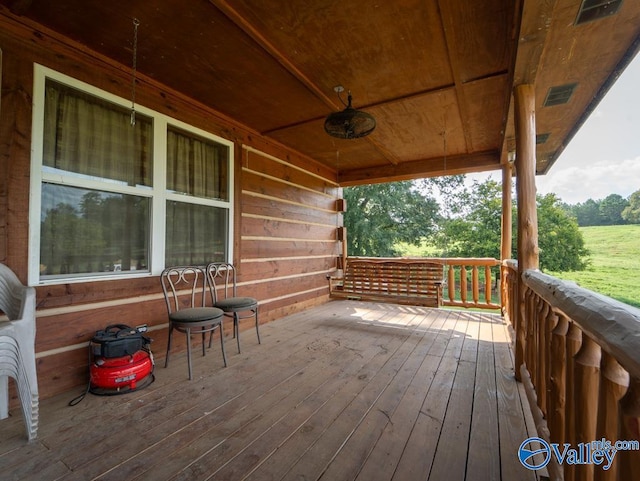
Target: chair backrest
[(222, 278), (185, 286), (16, 300)]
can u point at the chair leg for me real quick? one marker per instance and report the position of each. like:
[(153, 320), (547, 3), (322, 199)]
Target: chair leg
[(204, 342), (257, 325), (188, 332), (166, 359), (236, 328), (224, 354)]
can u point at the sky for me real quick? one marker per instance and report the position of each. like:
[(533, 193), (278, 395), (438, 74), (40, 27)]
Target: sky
[(603, 158)]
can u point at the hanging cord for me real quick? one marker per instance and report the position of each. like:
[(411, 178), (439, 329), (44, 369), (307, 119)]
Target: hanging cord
[(136, 24), (76, 400)]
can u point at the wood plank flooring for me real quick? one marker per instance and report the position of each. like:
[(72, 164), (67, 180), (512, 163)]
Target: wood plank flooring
[(345, 391)]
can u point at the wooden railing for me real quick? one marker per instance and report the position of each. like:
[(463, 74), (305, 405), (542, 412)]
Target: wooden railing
[(578, 356), (471, 282), (467, 282)]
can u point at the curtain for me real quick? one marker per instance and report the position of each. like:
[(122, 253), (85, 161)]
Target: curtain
[(89, 136), (196, 166)]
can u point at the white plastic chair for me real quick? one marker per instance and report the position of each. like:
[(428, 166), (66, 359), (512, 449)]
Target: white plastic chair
[(17, 347)]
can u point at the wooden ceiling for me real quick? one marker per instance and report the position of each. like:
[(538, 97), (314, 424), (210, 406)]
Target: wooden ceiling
[(437, 75)]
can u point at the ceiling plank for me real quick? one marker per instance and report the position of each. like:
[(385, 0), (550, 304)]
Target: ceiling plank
[(262, 41), (434, 167)]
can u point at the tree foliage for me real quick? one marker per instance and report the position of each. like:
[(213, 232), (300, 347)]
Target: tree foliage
[(466, 224), (607, 211), (474, 229), (559, 238), (379, 216), (631, 213)]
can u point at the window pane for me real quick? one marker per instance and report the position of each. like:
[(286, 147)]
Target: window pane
[(196, 166), (196, 234), (88, 136), (88, 231)]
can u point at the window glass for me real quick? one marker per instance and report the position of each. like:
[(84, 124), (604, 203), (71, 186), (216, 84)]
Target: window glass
[(88, 231), (196, 234)]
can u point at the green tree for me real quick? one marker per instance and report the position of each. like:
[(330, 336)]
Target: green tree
[(380, 215), (631, 213), (611, 209), (588, 213), (477, 231), (559, 238), (474, 228)]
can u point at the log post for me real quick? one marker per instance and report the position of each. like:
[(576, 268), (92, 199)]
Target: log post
[(586, 389), (488, 284), (506, 236), (574, 339), (614, 381), (463, 283), (557, 393), (475, 284), (629, 461), (544, 329), (506, 220), (528, 253)]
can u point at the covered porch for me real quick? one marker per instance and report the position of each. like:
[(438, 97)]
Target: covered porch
[(346, 390)]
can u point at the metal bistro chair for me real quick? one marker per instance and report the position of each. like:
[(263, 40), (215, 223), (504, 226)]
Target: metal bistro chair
[(185, 291), (222, 276)]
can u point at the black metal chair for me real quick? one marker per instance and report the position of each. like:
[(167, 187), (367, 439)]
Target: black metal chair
[(222, 276), (186, 290)]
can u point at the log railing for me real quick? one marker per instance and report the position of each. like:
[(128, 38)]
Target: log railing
[(467, 282), (471, 282), (578, 355)]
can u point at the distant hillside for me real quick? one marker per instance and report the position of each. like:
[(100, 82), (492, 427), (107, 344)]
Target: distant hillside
[(615, 262)]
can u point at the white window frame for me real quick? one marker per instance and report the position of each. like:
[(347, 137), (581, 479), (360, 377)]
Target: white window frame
[(157, 193)]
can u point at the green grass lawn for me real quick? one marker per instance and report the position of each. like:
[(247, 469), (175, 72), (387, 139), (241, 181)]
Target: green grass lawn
[(614, 268)]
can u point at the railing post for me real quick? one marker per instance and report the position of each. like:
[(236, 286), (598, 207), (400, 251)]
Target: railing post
[(488, 279), (475, 284), (557, 403), (463, 284), (629, 461), (614, 381), (544, 334), (574, 340), (586, 389)]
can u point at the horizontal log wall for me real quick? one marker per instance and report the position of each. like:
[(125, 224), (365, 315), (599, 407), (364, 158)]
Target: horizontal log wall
[(284, 226)]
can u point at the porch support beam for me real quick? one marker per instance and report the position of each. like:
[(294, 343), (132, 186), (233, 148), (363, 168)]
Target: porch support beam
[(507, 214), (525, 164)]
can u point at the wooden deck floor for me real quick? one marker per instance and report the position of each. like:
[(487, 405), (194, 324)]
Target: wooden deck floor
[(345, 391)]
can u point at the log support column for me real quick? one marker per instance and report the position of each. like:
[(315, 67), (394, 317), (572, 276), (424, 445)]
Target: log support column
[(525, 163), (506, 235)]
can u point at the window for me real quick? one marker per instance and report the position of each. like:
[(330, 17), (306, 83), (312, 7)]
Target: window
[(109, 198)]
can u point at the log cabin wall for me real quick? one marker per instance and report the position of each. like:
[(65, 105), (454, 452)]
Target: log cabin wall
[(285, 215)]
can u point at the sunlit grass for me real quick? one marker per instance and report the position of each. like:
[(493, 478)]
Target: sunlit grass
[(614, 268)]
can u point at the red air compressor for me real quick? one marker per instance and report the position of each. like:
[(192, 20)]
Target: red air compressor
[(121, 360)]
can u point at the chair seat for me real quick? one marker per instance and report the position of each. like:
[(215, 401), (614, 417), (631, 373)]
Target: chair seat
[(236, 303), (196, 314)]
